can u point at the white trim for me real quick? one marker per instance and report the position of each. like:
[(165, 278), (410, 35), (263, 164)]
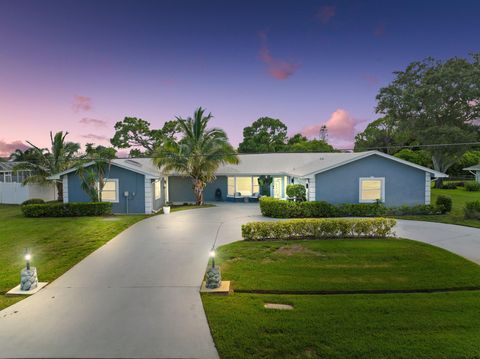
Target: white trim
[(167, 197), (117, 189), (311, 188), (428, 186), (381, 154), (148, 196), (158, 195), (361, 179), (65, 188)]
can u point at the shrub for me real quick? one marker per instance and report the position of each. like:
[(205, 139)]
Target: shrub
[(67, 209), (419, 209), (472, 210), (297, 191), (449, 185), (472, 186), (460, 184), (444, 204), (33, 201), (318, 228), (276, 208)]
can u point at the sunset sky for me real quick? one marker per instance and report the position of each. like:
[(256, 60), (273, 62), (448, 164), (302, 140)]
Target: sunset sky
[(81, 66)]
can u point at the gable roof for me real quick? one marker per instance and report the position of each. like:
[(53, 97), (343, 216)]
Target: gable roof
[(304, 164), (473, 168), (143, 166)]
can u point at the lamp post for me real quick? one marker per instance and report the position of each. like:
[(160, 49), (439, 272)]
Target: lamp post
[(213, 278), (28, 275)]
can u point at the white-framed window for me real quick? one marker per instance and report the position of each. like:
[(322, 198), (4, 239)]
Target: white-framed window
[(110, 191), (371, 189), (157, 190), (243, 185)]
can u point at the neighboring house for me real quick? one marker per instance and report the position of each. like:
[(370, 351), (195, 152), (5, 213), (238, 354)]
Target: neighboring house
[(475, 170), (362, 177), (12, 191)]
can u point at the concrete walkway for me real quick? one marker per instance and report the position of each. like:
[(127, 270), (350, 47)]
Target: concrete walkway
[(137, 296)]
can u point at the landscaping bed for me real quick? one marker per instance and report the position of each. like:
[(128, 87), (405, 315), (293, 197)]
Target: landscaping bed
[(366, 325)]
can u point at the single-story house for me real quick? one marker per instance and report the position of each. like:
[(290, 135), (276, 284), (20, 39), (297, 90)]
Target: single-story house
[(137, 186), (12, 190), (475, 170)]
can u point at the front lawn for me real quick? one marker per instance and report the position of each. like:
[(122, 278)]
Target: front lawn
[(459, 197), (339, 265), (406, 325), (56, 243)]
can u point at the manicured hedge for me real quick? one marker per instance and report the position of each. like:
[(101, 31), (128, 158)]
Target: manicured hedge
[(67, 209), (277, 208), (472, 187), (33, 201), (318, 228)]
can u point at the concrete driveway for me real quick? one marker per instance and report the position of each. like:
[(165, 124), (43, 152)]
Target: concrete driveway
[(137, 296)]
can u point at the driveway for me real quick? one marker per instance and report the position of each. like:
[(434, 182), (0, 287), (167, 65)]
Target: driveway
[(137, 296)]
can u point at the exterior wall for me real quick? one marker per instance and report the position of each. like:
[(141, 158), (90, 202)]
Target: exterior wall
[(180, 189), (403, 184), (16, 193), (428, 187), (127, 181), (477, 176)]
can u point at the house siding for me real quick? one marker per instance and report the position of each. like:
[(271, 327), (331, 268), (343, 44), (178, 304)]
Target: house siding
[(403, 184), (180, 189), (158, 203), (127, 181)]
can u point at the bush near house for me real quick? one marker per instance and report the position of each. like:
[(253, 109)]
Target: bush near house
[(444, 204), (276, 208), (472, 187), (472, 210), (67, 209), (297, 191), (449, 185), (318, 229)]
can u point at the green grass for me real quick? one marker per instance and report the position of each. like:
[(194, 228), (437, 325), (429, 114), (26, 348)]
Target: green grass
[(459, 197), (344, 265), (56, 243), (370, 326), (439, 325)]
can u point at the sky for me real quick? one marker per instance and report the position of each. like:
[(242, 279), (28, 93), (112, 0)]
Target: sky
[(81, 66)]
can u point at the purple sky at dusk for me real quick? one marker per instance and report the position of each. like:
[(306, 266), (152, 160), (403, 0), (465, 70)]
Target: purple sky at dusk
[(81, 66)]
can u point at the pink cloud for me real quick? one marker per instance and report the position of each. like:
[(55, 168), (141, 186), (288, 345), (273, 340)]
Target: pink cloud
[(94, 137), (93, 121), (325, 13), (278, 69), (81, 103), (6, 148), (340, 125)]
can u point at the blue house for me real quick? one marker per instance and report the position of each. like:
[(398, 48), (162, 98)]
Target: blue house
[(137, 186)]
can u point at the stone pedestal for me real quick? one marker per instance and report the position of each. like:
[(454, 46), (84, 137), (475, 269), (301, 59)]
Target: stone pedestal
[(28, 279), (213, 279)]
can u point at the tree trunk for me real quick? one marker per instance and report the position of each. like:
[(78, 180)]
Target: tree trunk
[(439, 182), (198, 187), (59, 191)]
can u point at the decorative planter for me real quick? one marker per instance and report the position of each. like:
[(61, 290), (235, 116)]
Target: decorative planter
[(166, 209), (28, 279), (213, 278)]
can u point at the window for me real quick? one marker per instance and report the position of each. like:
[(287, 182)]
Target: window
[(244, 185), (157, 189), (110, 191), (256, 188), (231, 186), (372, 189)]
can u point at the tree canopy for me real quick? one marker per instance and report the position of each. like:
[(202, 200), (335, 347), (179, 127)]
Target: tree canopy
[(436, 102)]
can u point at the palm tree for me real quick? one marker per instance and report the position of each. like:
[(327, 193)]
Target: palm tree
[(44, 163), (198, 153)]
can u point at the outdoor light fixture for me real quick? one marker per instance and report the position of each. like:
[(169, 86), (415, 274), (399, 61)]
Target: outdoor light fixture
[(212, 255), (28, 275), (27, 257)]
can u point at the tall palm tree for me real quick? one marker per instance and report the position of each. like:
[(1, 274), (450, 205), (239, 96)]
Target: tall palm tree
[(44, 162), (198, 153)]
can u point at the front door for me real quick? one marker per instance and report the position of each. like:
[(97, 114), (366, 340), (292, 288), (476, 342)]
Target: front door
[(277, 187)]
